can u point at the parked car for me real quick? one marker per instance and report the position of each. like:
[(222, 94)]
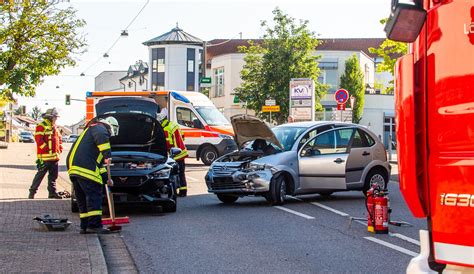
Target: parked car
[(72, 138), (26, 137), (297, 158), (142, 171), (64, 138)]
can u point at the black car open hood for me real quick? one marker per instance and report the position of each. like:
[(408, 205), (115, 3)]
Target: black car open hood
[(137, 132), (138, 105)]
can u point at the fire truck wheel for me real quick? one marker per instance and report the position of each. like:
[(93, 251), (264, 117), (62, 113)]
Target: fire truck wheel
[(376, 176), (278, 190), (208, 155), (227, 199)]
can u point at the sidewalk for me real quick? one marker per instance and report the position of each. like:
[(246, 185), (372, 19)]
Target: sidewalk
[(25, 246)]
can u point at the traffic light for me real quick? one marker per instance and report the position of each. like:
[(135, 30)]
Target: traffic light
[(68, 99)]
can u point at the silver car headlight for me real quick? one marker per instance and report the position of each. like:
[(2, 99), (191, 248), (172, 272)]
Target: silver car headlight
[(225, 136), (162, 174), (256, 167)]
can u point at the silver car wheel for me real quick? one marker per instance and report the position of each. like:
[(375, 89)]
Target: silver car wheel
[(377, 179)]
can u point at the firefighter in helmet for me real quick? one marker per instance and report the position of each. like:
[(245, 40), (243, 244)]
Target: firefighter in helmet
[(48, 147), (175, 138), (85, 168)]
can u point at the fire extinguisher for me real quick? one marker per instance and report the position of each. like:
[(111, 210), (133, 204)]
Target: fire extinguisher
[(381, 213), (369, 204)]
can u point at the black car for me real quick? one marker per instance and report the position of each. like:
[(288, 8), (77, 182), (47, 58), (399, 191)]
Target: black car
[(141, 169)]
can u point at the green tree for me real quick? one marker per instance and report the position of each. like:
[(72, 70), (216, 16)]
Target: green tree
[(38, 39), (353, 81), (286, 52), (36, 113), (389, 50)]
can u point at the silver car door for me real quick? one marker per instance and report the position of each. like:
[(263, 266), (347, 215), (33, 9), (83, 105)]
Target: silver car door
[(359, 157), (322, 161)]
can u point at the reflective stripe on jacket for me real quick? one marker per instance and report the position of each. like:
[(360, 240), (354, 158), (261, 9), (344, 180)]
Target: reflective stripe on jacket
[(87, 155), (174, 138), (48, 141)]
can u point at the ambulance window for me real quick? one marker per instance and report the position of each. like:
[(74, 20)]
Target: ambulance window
[(186, 117)]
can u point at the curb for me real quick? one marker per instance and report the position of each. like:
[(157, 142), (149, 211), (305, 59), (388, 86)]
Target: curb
[(96, 255)]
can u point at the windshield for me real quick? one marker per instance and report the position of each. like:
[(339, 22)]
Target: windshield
[(212, 116), (26, 133), (288, 135)]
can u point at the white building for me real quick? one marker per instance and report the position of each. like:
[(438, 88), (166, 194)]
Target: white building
[(174, 59), (109, 80), (136, 78)]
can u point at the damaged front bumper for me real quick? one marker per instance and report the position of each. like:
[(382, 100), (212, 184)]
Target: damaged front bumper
[(240, 182)]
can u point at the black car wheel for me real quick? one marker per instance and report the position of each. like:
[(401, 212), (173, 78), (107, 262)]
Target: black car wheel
[(172, 205), (278, 190), (208, 155), (227, 199), (375, 176)]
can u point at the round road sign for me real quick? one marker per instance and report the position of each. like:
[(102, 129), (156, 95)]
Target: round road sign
[(341, 96)]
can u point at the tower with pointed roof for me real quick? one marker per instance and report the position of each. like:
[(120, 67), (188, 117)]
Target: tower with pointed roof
[(174, 61)]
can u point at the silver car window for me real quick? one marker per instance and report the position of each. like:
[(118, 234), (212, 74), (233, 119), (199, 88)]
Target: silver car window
[(329, 142)]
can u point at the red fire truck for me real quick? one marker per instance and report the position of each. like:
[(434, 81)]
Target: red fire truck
[(435, 127)]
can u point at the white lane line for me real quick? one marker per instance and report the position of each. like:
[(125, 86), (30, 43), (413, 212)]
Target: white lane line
[(392, 246), (295, 212), (192, 179), (403, 237), (330, 209)]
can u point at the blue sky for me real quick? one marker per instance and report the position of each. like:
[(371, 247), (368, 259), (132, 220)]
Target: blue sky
[(207, 20)]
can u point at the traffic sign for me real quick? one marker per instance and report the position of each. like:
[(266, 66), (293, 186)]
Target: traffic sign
[(205, 80), (270, 102), (341, 107), (341, 96), (270, 108)]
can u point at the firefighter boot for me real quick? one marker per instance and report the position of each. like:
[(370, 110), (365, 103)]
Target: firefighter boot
[(32, 194), (183, 192), (98, 230), (54, 195)]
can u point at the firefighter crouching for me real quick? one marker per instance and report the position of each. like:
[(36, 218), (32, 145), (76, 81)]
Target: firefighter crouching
[(175, 138), (48, 147), (85, 168)]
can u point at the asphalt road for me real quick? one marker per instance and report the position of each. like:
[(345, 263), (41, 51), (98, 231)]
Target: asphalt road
[(307, 234)]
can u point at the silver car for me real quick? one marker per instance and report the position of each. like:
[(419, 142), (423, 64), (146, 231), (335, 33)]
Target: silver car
[(297, 158)]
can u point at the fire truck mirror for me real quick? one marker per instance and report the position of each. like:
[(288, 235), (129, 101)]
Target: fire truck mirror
[(405, 21)]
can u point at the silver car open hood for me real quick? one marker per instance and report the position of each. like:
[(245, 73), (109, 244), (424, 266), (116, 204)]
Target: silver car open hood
[(248, 128)]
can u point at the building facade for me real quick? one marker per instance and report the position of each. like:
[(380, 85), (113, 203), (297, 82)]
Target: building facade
[(175, 60), (109, 80)]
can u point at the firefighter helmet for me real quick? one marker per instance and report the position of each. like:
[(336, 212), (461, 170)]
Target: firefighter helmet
[(50, 113), (160, 117), (113, 124)]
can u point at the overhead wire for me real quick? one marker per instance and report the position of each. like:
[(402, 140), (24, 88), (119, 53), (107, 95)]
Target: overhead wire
[(118, 38)]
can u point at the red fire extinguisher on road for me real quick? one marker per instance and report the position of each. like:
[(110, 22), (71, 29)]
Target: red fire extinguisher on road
[(381, 213), (377, 204), (369, 203)]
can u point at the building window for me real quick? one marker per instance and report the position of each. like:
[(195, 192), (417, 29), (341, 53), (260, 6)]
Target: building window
[(329, 73), (219, 82), (158, 69), (190, 76)]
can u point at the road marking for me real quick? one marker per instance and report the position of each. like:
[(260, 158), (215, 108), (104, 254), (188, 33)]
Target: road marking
[(295, 212), (403, 237), (392, 246), (330, 209), (192, 179)]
